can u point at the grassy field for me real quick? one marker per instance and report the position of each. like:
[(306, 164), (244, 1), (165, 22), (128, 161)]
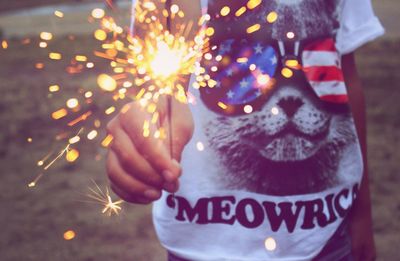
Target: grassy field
[(6, 5), (33, 220)]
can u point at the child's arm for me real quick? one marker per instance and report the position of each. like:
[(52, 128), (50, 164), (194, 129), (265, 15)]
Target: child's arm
[(360, 216)]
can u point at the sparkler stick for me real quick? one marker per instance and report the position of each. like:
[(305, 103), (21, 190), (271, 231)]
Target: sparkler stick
[(169, 98)]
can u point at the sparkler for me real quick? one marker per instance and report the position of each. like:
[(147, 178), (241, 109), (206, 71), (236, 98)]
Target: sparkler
[(156, 64), (158, 60), (144, 68)]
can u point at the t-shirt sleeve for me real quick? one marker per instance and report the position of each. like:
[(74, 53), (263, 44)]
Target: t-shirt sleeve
[(358, 25)]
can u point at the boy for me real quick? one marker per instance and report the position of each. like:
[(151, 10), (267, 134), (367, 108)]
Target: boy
[(270, 160)]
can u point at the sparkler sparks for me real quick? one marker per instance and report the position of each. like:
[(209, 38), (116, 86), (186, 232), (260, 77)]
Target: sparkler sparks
[(156, 62), (59, 14), (71, 156), (110, 207)]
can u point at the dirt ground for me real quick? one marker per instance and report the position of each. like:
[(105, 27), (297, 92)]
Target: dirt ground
[(33, 220)]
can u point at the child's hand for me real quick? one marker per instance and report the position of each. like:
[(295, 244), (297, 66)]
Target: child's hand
[(140, 167)]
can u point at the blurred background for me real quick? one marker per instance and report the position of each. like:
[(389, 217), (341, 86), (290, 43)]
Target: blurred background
[(53, 220)]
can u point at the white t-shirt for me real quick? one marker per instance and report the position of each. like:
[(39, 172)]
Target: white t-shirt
[(274, 163)]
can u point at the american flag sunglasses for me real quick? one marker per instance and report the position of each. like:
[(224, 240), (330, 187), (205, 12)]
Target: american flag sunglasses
[(246, 74)]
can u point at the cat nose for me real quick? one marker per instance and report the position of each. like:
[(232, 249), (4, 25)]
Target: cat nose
[(290, 105)]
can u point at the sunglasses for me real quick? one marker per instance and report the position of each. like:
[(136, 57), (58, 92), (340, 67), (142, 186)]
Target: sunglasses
[(245, 74)]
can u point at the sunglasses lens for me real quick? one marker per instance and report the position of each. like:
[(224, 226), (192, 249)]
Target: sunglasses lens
[(241, 72), (321, 65)]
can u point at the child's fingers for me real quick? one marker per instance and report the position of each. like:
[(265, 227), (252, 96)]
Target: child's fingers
[(132, 162), (152, 149), (129, 188)]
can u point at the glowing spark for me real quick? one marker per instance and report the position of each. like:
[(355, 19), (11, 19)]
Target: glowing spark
[(210, 31), (222, 105), (200, 146), (242, 60), (263, 79), (54, 88), (292, 64), (166, 61), (110, 110), (59, 14), (41, 162), (240, 11), (146, 129), (253, 28), (290, 35), (107, 141), (42, 44), (74, 140), (127, 84), (55, 56), (39, 66), (61, 113), (34, 182), (272, 17), (46, 36), (208, 56), (287, 73), (80, 58), (106, 82), (88, 94), (98, 13), (274, 110), (253, 4), (60, 154), (100, 35), (72, 103), (150, 6), (91, 135), (225, 11), (4, 44), (270, 244), (72, 155), (110, 207), (125, 109), (69, 235), (83, 117), (248, 109), (174, 9), (97, 123)]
